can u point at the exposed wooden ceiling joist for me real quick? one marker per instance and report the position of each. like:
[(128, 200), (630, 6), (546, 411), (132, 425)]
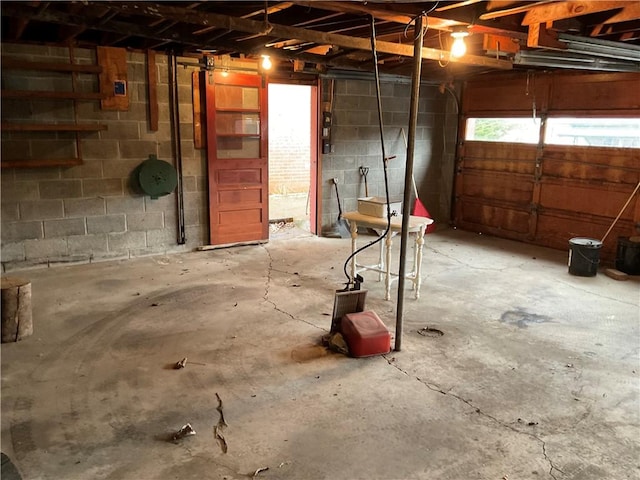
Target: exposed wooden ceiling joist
[(283, 31), (569, 9)]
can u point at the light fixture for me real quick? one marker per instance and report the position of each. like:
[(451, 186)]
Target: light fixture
[(266, 62), (459, 48)]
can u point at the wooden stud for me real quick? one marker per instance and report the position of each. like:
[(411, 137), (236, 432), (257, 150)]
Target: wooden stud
[(152, 90), (199, 140)]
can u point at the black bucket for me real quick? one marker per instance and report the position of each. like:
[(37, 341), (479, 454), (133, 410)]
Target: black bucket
[(628, 256), (584, 256)]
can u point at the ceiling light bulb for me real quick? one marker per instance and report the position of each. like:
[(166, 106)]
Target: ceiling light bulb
[(266, 62), (458, 48)]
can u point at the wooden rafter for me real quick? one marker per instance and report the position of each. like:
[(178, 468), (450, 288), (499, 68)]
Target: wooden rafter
[(380, 13), (282, 31), (569, 9)]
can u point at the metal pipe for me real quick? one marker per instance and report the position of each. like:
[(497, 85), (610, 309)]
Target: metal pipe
[(408, 175), (176, 146)]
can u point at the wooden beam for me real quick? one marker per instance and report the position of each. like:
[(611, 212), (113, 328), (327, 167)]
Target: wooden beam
[(568, 9), (540, 37), (273, 9), (631, 12), (152, 86), (380, 13), (282, 31), (199, 138), (16, 29), (466, 3), (191, 40), (512, 11)]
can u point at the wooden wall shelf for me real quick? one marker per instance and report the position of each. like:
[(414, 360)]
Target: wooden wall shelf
[(52, 127), (26, 124)]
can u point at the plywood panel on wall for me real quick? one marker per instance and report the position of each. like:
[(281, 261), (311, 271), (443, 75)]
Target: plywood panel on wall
[(548, 194)]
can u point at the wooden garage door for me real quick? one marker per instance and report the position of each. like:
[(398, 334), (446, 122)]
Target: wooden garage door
[(237, 157), (548, 194)]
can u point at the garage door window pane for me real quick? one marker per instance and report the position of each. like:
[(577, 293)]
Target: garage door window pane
[(594, 132), (512, 130)]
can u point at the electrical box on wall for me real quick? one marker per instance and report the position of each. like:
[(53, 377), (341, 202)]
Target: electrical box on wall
[(326, 132)]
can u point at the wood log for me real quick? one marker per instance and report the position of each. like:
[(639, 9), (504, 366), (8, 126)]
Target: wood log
[(17, 322)]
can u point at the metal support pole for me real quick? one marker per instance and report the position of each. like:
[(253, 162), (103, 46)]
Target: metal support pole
[(408, 175)]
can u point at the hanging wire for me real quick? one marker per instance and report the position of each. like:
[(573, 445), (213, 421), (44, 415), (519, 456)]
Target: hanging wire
[(424, 13), (384, 156)]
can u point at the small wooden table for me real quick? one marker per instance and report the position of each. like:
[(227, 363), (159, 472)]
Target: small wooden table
[(417, 227)]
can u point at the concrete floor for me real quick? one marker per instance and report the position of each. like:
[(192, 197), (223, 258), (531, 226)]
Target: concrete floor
[(536, 376)]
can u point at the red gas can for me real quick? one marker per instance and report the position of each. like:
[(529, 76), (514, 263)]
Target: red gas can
[(365, 334)]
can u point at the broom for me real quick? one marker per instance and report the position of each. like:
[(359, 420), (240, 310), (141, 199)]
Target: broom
[(419, 210)]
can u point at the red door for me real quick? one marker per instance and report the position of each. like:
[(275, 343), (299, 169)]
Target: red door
[(237, 158)]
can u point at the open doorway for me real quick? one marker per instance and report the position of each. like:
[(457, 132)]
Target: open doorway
[(290, 155)]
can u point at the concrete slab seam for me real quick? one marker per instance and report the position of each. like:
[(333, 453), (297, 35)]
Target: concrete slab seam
[(435, 388)]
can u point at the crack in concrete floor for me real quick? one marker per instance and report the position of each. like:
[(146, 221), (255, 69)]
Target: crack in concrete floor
[(435, 388), (430, 386)]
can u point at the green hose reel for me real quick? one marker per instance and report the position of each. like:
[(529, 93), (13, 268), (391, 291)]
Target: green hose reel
[(157, 177)]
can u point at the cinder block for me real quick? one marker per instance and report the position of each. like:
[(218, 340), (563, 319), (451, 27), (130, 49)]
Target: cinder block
[(189, 184), (99, 149), (191, 216), (106, 224), (165, 151), (87, 244), (165, 237), (41, 210), (197, 236), (10, 212), (15, 150), (102, 186), (92, 111), (17, 231), (123, 242), (144, 221), (121, 130), (60, 189), (84, 206), (125, 204), (162, 204), (90, 169), (29, 174), (41, 249), (12, 252), (121, 168), (53, 149), (140, 149), (64, 227), (148, 251), (138, 112), (18, 191)]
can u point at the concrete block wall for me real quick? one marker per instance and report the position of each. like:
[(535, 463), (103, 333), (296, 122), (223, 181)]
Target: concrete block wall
[(93, 211), (355, 138)]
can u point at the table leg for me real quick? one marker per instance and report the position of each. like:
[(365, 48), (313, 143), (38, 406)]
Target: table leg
[(418, 269), (381, 261), (388, 242), (354, 236), (415, 263)]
